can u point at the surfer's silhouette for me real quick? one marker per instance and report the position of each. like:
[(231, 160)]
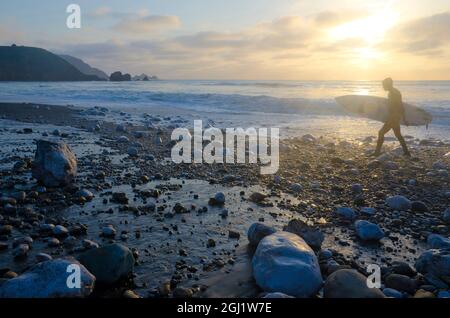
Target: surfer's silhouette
[(396, 114)]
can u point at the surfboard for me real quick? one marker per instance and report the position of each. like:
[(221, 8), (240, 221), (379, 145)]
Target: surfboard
[(376, 108)]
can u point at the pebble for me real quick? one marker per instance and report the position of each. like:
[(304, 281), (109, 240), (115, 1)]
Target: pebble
[(368, 231), (398, 202), (345, 212), (108, 231)]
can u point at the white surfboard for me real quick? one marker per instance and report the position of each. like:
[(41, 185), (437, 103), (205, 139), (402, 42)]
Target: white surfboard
[(376, 108)]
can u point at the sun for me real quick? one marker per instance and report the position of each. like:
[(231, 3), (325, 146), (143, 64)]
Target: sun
[(371, 29)]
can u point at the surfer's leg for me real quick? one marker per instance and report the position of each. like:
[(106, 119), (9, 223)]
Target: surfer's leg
[(386, 127), (398, 134)]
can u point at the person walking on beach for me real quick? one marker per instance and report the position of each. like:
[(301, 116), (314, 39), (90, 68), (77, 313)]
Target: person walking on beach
[(396, 113)]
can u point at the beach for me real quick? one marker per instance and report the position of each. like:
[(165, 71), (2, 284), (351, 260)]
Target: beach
[(128, 191)]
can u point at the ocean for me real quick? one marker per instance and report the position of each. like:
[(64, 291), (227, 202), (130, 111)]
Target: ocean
[(296, 107)]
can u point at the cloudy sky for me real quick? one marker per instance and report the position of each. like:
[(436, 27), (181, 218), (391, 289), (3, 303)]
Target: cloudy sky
[(243, 39)]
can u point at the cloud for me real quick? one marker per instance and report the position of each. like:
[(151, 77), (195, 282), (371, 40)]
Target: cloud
[(421, 35), (101, 12), (330, 18), (147, 24)]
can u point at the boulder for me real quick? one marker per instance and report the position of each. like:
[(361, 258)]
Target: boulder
[(109, 263), (49, 279), (419, 206), (312, 236), (401, 283), (368, 231), (346, 213), (398, 202), (434, 263), (258, 231), (54, 163), (283, 262), (437, 241), (348, 283)]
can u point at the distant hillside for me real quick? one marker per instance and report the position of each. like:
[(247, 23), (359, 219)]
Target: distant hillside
[(84, 68), (20, 63), (144, 77)]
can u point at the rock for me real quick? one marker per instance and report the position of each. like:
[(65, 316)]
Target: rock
[(356, 188), (392, 293), (210, 243), (439, 165), (437, 241), (368, 210), (403, 268), (181, 292), (424, 294), (53, 242), (54, 163), (401, 283), (123, 139), (296, 187), (325, 254), (121, 128), (119, 197), (367, 231), (419, 206), (444, 294), (257, 231), (312, 236), (6, 229), (21, 251), (164, 289), (446, 216), (60, 231), (130, 294), (348, 283), (345, 212), (390, 165), (308, 138), (257, 197), (133, 151), (109, 263), (88, 244), (219, 199), (435, 263), (109, 231), (42, 257), (233, 234), (48, 280), (276, 295), (398, 202), (283, 262), (84, 193)]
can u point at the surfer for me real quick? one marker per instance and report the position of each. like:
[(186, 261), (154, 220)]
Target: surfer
[(396, 113)]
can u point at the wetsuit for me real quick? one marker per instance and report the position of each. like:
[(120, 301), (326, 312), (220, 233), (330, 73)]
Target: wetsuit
[(396, 113)]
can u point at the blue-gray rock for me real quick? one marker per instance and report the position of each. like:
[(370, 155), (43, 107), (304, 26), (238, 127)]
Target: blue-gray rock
[(435, 263), (312, 236), (368, 210), (276, 295), (444, 294), (296, 187), (368, 231), (392, 293), (401, 282), (419, 206), (258, 231), (283, 262), (49, 280), (348, 283), (109, 263), (437, 241), (54, 163), (357, 188), (345, 212), (398, 202), (220, 198), (446, 216), (133, 151)]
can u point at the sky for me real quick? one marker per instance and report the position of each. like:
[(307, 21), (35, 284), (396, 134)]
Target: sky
[(243, 39)]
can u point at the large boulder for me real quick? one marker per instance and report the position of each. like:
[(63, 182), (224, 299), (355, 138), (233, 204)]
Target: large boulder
[(54, 163), (109, 263), (49, 279), (283, 262), (312, 236), (348, 283), (258, 231), (435, 263), (368, 231)]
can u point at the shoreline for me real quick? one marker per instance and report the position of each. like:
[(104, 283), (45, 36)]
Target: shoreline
[(316, 176)]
